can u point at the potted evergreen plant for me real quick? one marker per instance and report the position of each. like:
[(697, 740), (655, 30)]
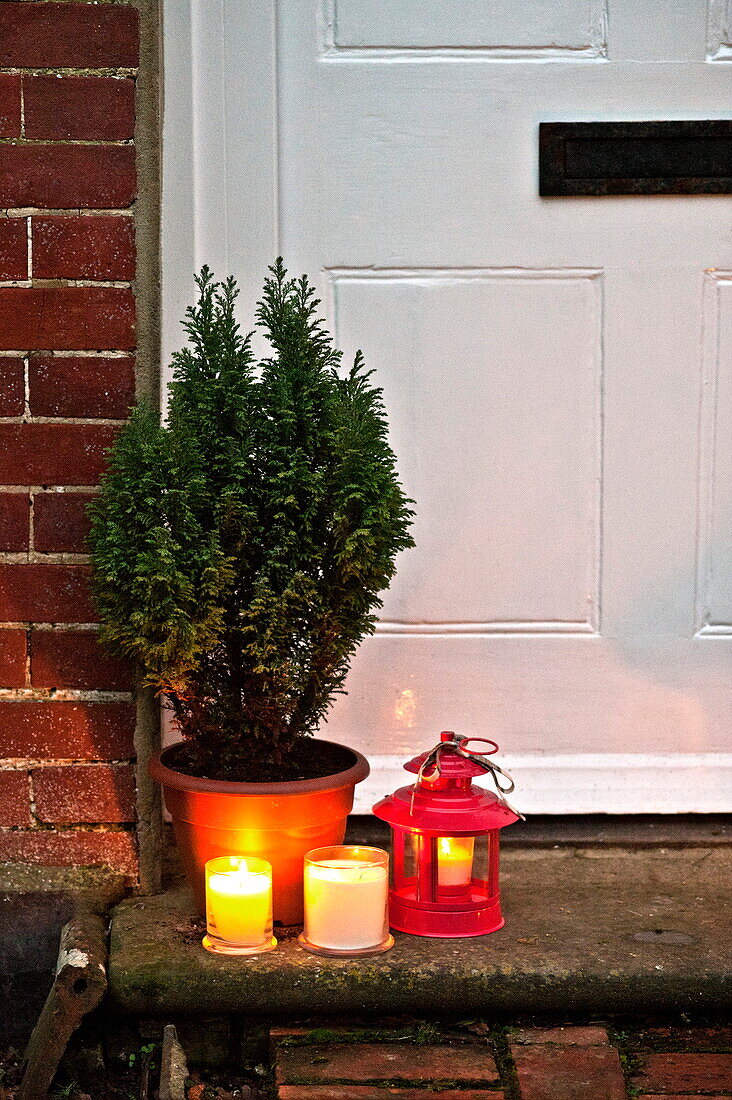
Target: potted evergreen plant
[(238, 553)]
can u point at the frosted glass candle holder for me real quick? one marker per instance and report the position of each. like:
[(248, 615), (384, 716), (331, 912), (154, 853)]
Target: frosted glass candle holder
[(238, 906), (346, 901)]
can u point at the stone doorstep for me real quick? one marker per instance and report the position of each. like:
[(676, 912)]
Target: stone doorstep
[(570, 948)]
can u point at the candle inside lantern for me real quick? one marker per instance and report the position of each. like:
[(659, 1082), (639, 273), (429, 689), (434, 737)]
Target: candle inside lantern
[(454, 860), (346, 893), (238, 905)]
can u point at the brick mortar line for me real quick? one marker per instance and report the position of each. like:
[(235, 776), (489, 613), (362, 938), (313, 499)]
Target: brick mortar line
[(94, 3), (31, 519), (29, 239), (57, 143), (69, 211), (28, 635), (33, 807), (38, 557), (50, 628), (21, 764), (116, 72), (64, 695), (22, 109), (61, 283), (30, 624), (108, 72), (81, 421), (71, 827), (59, 490), (63, 353), (26, 385)]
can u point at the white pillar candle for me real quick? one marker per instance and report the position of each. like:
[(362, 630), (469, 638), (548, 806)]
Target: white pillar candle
[(345, 902), (454, 860)]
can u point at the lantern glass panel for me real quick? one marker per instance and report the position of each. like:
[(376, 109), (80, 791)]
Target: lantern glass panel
[(481, 859), (409, 870)]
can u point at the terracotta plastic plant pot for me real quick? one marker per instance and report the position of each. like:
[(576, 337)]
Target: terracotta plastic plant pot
[(278, 822)]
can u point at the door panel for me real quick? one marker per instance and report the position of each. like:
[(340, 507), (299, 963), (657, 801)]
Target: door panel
[(517, 542)]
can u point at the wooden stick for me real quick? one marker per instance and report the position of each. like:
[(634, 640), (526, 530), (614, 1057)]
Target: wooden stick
[(79, 985)]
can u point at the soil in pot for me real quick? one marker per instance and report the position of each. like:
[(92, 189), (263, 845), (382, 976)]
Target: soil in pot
[(311, 758)]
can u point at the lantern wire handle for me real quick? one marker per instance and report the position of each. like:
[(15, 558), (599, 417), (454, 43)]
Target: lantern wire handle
[(431, 764)]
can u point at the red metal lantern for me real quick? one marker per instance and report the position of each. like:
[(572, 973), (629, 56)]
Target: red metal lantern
[(445, 861)]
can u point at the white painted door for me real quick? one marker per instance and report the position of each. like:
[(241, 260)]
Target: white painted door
[(558, 372)]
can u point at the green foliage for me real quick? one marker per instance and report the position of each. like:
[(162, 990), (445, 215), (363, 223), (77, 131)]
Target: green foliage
[(239, 551)]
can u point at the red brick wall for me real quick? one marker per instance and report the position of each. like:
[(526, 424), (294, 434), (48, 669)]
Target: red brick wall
[(67, 377)]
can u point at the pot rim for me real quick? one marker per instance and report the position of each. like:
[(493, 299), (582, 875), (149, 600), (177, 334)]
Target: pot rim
[(169, 777)]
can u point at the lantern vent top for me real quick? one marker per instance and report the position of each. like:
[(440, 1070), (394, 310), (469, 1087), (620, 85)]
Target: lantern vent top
[(451, 759)]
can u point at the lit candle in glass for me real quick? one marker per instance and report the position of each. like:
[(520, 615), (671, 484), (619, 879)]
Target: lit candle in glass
[(346, 898), (238, 906), (454, 860)]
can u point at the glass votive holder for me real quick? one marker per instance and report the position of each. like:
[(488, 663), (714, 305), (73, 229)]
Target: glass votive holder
[(346, 901), (238, 906)]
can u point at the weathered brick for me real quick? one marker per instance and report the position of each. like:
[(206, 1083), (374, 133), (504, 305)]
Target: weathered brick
[(12, 658), (688, 1072), (85, 793), (75, 659), (45, 593), (57, 35), (13, 248), (12, 386), (62, 177), (60, 522), (66, 730), (75, 848), (360, 1062), (53, 454), (674, 1037), (9, 105), (66, 317), (554, 1072), (378, 1092), (95, 247), (566, 1036), (64, 385), (14, 521), (92, 108), (14, 798)]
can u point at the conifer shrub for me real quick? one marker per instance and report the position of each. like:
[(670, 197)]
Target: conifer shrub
[(239, 550)]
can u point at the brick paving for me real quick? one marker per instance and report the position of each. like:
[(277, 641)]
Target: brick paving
[(580, 1063), (464, 1063), (481, 1061), (689, 1072)]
